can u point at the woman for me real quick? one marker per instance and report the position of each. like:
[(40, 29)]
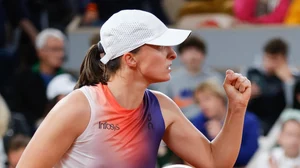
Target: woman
[(112, 120)]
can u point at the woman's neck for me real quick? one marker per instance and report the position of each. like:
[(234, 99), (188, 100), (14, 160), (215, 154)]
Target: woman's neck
[(127, 91)]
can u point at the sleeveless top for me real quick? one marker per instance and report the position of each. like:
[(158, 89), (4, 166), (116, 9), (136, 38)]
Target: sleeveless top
[(114, 136)]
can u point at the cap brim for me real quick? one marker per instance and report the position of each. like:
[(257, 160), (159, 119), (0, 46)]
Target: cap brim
[(171, 37)]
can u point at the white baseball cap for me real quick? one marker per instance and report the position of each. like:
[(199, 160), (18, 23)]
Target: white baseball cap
[(60, 85), (129, 29)]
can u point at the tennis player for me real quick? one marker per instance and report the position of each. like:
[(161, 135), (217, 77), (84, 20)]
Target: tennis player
[(111, 119)]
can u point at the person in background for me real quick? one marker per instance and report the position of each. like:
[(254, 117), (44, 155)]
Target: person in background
[(16, 147), (29, 86), (212, 101), (43, 14), (11, 123), (272, 83), (180, 88), (60, 86), (287, 155)]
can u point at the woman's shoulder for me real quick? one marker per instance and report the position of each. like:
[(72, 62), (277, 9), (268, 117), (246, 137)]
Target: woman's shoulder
[(167, 105), (67, 119), (169, 109), (161, 97), (73, 107)]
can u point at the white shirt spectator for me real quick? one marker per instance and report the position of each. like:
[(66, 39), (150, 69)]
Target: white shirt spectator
[(278, 155), (60, 85)]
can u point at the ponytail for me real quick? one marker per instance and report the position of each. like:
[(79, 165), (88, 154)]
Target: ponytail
[(92, 70)]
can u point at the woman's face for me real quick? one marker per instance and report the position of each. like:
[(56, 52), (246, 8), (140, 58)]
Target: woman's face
[(154, 62)]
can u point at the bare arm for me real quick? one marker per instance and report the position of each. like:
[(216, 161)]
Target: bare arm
[(189, 144), (57, 132)]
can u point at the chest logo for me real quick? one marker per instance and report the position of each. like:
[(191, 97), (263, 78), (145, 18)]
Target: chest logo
[(150, 124), (108, 126)]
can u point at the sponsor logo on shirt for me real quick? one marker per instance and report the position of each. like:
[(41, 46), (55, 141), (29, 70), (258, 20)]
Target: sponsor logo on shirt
[(108, 126), (150, 124)]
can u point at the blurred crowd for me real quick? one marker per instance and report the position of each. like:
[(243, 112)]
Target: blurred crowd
[(198, 91), (33, 48)]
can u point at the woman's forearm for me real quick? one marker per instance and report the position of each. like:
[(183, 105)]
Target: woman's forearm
[(226, 146)]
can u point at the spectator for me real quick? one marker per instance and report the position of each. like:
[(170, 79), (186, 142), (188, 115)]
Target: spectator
[(261, 11), (4, 120), (17, 125), (98, 11), (16, 147), (287, 155), (60, 86), (212, 101), (29, 87), (10, 124), (272, 84), (183, 82), (43, 14)]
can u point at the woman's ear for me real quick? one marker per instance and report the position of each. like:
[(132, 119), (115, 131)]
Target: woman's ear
[(130, 60)]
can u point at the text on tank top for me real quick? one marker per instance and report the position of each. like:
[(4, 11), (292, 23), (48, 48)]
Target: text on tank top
[(117, 137)]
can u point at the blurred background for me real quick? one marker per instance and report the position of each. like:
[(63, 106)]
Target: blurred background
[(43, 42)]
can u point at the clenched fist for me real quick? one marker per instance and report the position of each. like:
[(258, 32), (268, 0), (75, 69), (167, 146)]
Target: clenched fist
[(237, 88)]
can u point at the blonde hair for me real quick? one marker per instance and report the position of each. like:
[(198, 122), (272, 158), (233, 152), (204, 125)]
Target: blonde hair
[(213, 87), (4, 117)]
